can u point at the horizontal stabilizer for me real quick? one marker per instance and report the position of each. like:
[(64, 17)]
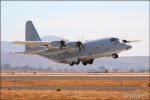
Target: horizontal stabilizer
[(31, 43)]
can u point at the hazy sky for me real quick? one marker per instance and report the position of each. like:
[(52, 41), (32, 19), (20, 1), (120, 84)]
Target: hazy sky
[(79, 20)]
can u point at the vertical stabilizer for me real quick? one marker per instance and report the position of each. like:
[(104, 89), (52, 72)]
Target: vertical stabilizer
[(31, 35)]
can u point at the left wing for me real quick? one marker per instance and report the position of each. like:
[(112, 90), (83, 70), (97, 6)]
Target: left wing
[(35, 43), (60, 46)]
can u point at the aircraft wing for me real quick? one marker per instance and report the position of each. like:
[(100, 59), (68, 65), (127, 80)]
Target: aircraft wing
[(27, 42), (33, 43), (54, 45)]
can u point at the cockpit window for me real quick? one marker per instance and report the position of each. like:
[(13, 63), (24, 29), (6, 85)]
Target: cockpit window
[(113, 39)]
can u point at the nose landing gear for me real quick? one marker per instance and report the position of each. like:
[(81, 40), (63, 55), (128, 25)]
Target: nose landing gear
[(115, 55)]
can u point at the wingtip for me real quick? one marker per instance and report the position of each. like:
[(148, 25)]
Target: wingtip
[(14, 42)]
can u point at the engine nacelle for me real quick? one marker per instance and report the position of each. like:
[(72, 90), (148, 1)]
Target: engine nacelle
[(72, 45), (62, 44), (58, 44), (77, 45)]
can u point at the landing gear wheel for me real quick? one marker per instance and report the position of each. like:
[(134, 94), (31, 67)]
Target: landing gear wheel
[(71, 63), (90, 61), (84, 62), (78, 61), (115, 56)]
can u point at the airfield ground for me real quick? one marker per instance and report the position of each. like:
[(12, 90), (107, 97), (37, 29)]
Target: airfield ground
[(74, 95), (75, 86)]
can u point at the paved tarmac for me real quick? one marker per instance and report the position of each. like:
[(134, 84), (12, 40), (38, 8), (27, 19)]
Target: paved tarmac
[(77, 76), (118, 88), (34, 77)]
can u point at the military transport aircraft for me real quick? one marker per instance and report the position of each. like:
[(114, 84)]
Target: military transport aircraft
[(72, 52)]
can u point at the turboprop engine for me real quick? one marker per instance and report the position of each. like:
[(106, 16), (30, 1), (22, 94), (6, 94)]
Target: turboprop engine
[(63, 45), (77, 45), (57, 44)]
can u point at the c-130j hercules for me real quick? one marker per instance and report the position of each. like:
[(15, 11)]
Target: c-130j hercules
[(72, 52)]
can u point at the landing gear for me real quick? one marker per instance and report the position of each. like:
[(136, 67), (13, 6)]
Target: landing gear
[(84, 62), (77, 62), (115, 55), (71, 63), (90, 61), (74, 62)]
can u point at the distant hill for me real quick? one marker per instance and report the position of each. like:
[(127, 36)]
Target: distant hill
[(122, 63)]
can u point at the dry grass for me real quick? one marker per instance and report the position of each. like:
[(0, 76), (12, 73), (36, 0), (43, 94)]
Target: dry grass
[(74, 95), (75, 83)]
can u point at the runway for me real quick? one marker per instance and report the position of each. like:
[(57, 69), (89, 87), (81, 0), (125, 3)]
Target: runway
[(74, 76), (115, 88)]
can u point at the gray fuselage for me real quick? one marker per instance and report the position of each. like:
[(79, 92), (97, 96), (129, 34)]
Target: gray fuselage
[(91, 50)]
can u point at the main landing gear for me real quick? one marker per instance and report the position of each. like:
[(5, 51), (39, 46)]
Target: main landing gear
[(90, 61), (74, 62), (87, 62)]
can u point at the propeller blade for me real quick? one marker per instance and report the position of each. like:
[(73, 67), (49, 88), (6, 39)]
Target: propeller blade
[(135, 41), (79, 45), (62, 43), (128, 41)]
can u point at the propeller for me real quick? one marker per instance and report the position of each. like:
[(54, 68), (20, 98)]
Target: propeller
[(62, 43), (124, 40), (79, 45), (63, 40), (128, 41)]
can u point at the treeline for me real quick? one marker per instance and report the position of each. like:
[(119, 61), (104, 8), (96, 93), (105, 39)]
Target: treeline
[(26, 68), (7, 67)]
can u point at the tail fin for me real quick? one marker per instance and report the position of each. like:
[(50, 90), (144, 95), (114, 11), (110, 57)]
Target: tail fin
[(31, 35)]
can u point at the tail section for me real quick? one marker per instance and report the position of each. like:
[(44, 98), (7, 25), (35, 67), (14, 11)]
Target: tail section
[(31, 35)]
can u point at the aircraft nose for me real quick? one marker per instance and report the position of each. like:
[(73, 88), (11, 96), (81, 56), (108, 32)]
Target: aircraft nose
[(129, 47)]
